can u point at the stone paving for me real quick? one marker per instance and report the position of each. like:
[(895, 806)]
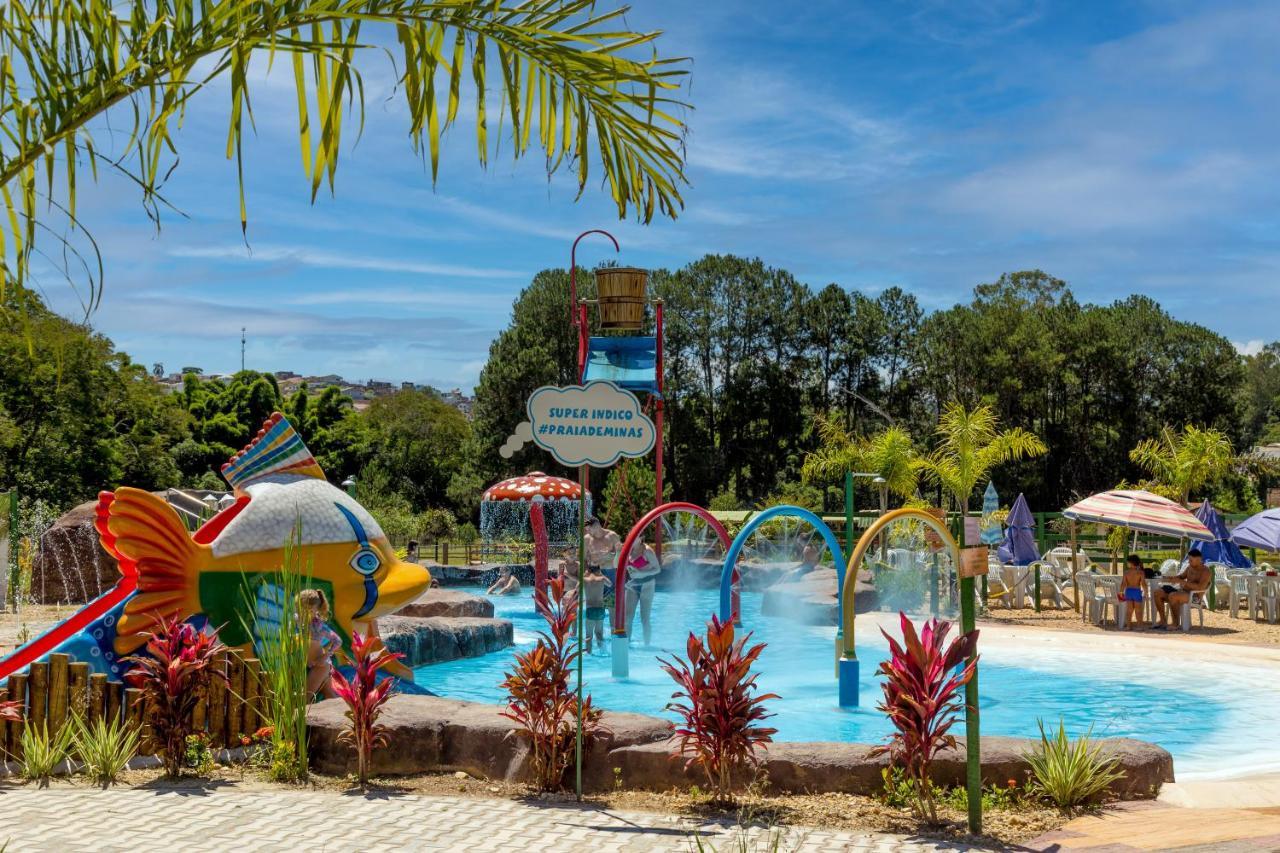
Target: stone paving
[(224, 818)]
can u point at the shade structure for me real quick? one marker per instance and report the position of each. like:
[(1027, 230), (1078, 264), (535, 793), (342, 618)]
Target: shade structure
[(1140, 510), (1219, 549), (990, 532), (1019, 545), (1259, 531)]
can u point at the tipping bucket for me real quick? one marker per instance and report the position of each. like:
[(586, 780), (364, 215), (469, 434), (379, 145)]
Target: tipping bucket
[(622, 293)]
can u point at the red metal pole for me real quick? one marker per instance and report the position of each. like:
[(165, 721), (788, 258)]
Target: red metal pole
[(657, 459), (573, 271)]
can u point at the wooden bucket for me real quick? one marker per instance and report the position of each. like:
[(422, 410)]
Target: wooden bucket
[(622, 292)]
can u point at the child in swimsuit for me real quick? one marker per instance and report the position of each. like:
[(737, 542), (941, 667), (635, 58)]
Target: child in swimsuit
[(313, 612), (593, 600), (1131, 591)]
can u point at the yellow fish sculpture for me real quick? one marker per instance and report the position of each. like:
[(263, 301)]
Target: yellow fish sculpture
[(231, 565)]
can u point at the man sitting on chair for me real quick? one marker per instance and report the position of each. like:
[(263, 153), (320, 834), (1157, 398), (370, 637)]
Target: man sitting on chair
[(1194, 578)]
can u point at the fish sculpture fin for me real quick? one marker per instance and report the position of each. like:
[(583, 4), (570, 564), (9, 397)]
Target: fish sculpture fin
[(277, 449), (151, 543)]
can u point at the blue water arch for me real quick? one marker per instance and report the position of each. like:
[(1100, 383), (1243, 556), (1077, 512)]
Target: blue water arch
[(788, 511)]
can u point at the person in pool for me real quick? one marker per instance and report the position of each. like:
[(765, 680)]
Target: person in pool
[(568, 572), (808, 562), (506, 584), (593, 602), (643, 569), (602, 546), (1131, 589), (1194, 578)]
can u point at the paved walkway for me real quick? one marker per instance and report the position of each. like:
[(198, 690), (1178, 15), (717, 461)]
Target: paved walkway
[(216, 819)]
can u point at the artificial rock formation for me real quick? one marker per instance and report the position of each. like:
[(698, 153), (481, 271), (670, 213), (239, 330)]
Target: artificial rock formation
[(429, 733), (812, 599), (436, 639), (70, 566), (450, 603)]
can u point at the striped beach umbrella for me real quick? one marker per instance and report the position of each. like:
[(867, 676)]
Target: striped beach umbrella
[(1140, 510)]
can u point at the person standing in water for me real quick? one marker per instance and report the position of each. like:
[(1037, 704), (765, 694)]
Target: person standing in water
[(643, 569), (602, 546), (593, 602)]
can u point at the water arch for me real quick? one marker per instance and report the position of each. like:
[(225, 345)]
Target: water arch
[(735, 550), (621, 664), (847, 667)]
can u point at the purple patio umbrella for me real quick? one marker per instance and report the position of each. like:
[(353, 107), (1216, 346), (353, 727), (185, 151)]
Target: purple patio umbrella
[(1019, 545), (1259, 531), (1220, 549)]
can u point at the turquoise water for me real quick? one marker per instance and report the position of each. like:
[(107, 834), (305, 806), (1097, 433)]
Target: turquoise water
[(797, 664)]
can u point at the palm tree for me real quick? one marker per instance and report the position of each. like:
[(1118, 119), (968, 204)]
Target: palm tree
[(970, 445), (564, 74), (1185, 461), (890, 454)]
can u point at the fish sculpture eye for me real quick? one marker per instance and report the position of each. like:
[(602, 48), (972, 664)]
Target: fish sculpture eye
[(366, 561)]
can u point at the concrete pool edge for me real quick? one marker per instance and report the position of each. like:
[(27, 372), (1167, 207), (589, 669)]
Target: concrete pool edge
[(430, 733)]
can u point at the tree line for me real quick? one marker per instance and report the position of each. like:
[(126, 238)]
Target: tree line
[(756, 360), (762, 372)]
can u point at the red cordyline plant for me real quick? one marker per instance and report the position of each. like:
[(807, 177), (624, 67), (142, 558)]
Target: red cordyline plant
[(174, 674), (365, 694), (540, 700), (922, 698), (719, 729)]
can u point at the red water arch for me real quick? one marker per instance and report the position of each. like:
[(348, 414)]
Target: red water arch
[(620, 578)]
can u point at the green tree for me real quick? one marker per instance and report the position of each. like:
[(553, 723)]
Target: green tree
[(1183, 462), (576, 74), (970, 445), (76, 416), (889, 453), (414, 444)]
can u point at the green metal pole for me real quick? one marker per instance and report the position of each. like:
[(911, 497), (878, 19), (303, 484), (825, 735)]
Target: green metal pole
[(973, 758), (1037, 587), (582, 559), (848, 512), (1213, 588)]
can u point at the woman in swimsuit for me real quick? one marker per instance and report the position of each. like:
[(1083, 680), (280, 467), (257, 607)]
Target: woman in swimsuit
[(643, 569)]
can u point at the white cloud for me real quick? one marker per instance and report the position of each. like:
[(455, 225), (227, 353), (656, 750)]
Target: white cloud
[(355, 260), (1252, 347)]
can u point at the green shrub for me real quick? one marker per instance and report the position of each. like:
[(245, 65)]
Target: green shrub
[(900, 589), (42, 752), (1070, 773), (104, 749), (198, 756)]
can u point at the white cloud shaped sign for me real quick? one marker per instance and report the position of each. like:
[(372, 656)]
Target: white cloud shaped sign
[(594, 424)]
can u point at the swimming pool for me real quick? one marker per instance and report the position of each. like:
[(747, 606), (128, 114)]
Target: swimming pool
[(1195, 710)]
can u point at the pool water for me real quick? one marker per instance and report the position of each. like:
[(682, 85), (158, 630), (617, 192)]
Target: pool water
[(1190, 710)]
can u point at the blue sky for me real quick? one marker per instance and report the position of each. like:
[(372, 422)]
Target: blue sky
[(1125, 147)]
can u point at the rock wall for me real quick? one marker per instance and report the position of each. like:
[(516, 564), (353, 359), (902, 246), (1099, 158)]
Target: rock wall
[(436, 639), (430, 733)]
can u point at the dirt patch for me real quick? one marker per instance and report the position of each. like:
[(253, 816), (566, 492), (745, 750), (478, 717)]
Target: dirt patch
[(1219, 627), (32, 621)]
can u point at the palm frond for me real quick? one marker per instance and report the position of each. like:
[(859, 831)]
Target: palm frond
[(592, 88)]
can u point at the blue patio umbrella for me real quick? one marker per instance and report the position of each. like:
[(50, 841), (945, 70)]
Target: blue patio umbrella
[(1221, 549), (1019, 545), (990, 532), (1259, 531)]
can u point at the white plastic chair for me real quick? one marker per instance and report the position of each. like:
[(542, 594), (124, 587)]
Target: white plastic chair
[(1107, 595), (1266, 598), (1051, 585), (1169, 568), (1240, 591), (1198, 600)]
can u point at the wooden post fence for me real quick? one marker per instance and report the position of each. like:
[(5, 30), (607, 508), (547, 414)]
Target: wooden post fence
[(52, 692)]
